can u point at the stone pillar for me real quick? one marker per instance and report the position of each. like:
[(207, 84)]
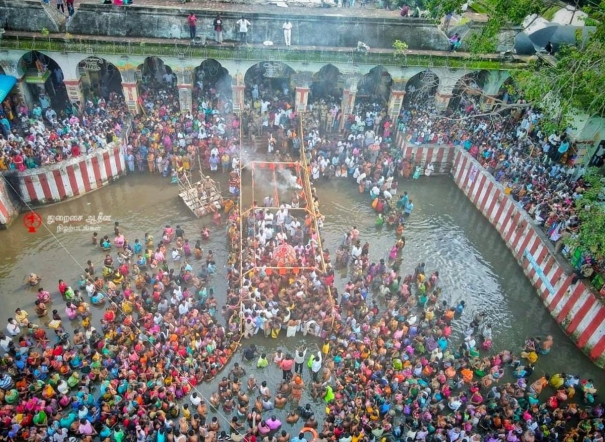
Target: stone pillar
[(396, 99), (448, 80), (238, 97), (301, 99), (442, 101), (130, 89), (488, 102), (74, 91), (348, 98), (302, 81), (24, 93), (347, 104), (186, 97), (494, 82), (131, 96), (185, 85), (238, 87)]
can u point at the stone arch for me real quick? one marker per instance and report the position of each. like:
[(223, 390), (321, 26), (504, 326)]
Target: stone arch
[(469, 89), (420, 89), (375, 86), (44, 79), (157, 81), (327, 84), (209, 76), (100, 78), (272, 78), (507, 91), (2, 71)]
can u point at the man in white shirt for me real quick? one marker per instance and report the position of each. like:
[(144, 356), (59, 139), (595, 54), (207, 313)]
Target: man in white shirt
[(183, 308), (454, 403), (178, 292), (280, 216), (295, 224), (12, 327), (316, 366), (51, 115), (5, 342), (299, 359), (243, 25), (195, 399), (262, 237), (287, 27)]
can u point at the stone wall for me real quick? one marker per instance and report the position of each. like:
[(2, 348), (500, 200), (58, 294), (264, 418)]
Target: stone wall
[(25, 15), (308, 30), (440, 155), (578, 310)]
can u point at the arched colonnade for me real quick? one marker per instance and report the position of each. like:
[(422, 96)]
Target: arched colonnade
[(72, 77)]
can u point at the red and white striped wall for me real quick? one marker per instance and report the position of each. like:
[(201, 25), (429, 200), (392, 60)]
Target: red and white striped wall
[(441, 155), (8, 211), (580, 312), (72, 178)]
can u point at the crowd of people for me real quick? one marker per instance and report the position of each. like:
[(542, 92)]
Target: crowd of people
[(126, 377), (537, 169), (34, 138), (387, 368)]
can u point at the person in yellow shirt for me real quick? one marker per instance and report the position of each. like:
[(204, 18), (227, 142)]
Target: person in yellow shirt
[(262, 361), (21, 316), (225, 162), (357, 436)]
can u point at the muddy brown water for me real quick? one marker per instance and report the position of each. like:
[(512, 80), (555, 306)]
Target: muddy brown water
[(445, 231)]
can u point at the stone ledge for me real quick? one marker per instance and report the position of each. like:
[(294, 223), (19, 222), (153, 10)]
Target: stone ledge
[(136, 46), (309, 29), (27, 15)]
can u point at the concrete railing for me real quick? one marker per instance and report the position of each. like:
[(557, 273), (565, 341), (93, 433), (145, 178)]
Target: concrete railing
[(578, 310), (441, 155), (58, 182)]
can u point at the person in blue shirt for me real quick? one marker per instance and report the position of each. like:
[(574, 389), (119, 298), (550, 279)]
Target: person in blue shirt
[(6, 126), (137, 247), (37, 112), (403, 201), (214, 160), (409, 207)]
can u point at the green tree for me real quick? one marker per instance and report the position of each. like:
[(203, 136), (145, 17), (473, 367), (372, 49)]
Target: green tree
[(573, 81), (400, 48), (591, 213)]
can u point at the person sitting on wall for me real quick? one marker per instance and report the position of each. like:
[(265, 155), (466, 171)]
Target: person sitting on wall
[(585, 271)]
